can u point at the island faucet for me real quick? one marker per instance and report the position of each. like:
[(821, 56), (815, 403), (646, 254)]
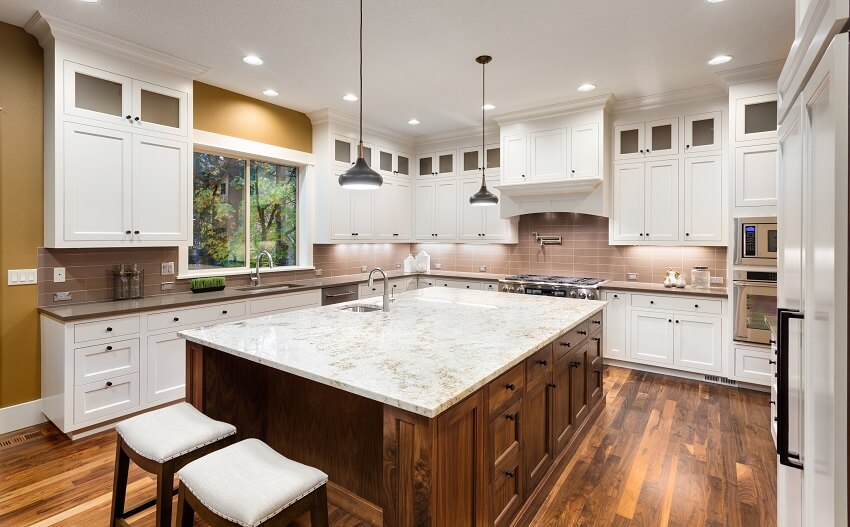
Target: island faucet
[(386, 286), (255, 276)]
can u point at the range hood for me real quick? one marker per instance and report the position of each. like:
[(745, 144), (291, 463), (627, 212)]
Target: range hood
[(583, 195)]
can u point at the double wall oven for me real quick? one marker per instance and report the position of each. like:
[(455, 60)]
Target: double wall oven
[(755, 298)]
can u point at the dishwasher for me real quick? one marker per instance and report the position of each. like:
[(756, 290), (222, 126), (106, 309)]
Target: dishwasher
[(337, 295)]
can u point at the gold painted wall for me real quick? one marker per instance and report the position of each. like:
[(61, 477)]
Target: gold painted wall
[(21, 216), (225, 112)]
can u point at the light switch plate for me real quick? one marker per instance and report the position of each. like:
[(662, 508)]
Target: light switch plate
[(318, 272), (716, 280), (61, 297), (165, 286), (58, 274), (438, 266), (631, 276), (362, 268), (482, 268), (23, 276), (167, 268)]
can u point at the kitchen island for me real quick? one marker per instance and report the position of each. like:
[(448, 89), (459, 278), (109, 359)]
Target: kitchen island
[(454, 408)]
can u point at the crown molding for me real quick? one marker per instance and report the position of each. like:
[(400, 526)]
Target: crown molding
[(471, 132), (47, 29), (649, 102), (756, 72), (328, 115), (599, 102)]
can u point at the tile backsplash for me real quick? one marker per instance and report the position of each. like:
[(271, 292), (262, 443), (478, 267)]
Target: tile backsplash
[(584, 251)]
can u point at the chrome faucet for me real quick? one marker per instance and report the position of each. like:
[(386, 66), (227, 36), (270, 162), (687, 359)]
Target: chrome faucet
[(386, 286), (255, 276)]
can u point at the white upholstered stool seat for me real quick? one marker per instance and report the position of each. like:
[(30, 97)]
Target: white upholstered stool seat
[(248, 482), (172, 431)]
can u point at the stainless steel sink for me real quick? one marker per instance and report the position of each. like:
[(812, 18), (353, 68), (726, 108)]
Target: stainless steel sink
[(361, 308), (269, 287)]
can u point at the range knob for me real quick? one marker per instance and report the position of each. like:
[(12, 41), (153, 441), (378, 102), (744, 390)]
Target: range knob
[(507, 288), (591, 295), (573, 293), (582, 294), (520, 289)]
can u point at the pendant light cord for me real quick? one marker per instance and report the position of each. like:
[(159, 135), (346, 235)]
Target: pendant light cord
[(361, 79), (483, 147)]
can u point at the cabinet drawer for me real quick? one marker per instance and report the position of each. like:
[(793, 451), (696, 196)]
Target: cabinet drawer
[(687, 305), (595, 322), (571, 340), (116, 327), (196, 316), (508, 386), (505, 433), (753, 365), (538, 367), (288, 302), (365, 291), (506, 491), (459, 284), (490, 286), (100, 362), (111, 396)]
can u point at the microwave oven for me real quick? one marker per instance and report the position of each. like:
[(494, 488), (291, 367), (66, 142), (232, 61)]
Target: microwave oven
[(756, 241)]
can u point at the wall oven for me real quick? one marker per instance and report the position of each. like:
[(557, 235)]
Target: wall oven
[(756, 241), (754, 297)]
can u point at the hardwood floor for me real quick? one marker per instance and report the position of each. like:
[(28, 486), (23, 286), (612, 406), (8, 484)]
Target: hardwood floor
[(665, 451)]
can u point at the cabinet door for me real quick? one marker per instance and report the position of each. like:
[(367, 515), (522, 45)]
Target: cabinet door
[(628, 142), (515, 158), (755, 118), (385, 165), (549, 155), (492, 159), (166, 368), (652, 337), (160, 189), (471, 161), (563, 424), (702, 133), (471, 218), (386, 210), (506, 469), (584, 151), (661, 201), (616, 325), (445, 210), (160, 109), (341, 226), (662, 137), (97, 94), (703, 207), (344, 151), (402, 164), (362, 214), (594, 368), (495, 228), (698, 343), (403, 202), (446, 163), (426, 165), (537, 444), (97, 175), (628, 215), (579, 363), (425, 209), (755, 176)]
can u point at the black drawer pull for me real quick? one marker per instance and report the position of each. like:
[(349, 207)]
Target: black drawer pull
[(509, 417), (565, 344), (510, 386), (550, 385), (597, 322), (108, 348), (224, 312), (652, 301), (509, 474), (696, 306), (542, 362), (108, 329), (597, 339), (108, 384), (176, 319), (771, 362), (582, 332), (575, 364)]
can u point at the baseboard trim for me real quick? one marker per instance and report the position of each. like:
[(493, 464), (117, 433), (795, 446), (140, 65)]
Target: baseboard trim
[(21, 416), (700, 377)]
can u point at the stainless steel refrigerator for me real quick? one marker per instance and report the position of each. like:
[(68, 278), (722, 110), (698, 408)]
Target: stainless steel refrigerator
[(812, 367)]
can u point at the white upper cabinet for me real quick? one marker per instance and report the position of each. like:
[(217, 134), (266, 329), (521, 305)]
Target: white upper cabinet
[(426, 165), (661, 201), (627, 219), (755, 118), (703, 133), (160, 189), (584, 151), (479, 223), (628, 142), (703, 204), (515, 158), (344, 151), (393, 209), (436, 210), (755, 176), (391, 163), (159, 109), (662, 138), (471, 160), (492, 159), (352, 213), (548, 155)]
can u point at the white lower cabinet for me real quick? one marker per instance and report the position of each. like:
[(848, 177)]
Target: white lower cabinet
[(668, 330), (166, 368), (754, 364), (106, 399)]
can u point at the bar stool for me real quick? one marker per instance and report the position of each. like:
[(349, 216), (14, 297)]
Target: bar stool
[(162, 442), (248, 484)]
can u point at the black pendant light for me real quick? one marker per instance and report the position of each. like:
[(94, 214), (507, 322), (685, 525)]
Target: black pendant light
[(483, 198), (361, 176)]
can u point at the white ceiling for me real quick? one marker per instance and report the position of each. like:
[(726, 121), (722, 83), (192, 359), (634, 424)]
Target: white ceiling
[(420, 53)]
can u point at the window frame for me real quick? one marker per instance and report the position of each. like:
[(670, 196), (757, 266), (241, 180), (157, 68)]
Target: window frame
[(304, 162)]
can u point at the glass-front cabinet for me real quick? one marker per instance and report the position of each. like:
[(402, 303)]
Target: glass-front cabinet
[(628, 141), (470, 161), (703, 133), (662, 138), (392, 163), (103, 96), (492, 159), (755, 118)]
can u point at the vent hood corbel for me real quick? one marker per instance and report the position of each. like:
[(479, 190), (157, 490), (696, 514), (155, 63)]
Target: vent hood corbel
[(555, 158)]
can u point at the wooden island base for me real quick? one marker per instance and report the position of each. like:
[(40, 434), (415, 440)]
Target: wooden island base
[(488, 460)]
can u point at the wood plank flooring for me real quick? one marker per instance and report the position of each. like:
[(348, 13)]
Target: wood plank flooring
[(665, 451)]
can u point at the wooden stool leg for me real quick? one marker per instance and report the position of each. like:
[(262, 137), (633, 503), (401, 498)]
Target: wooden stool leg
[(119, 483), (164, 494), (319, 511), (185, 513)]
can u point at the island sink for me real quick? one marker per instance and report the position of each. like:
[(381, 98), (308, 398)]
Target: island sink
[(361, 308)]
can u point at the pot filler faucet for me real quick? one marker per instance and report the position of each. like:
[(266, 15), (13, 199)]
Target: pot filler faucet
[(386, 286), (255, 278)]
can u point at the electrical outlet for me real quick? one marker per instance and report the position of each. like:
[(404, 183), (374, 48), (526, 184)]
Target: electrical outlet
[(23, 276), (58, 274), (61, 297), (631, 276), (716, 280), (398, 266), (167, 268), (318, 272), (438, 266), (362, 268), (165, 286), (482, 268)]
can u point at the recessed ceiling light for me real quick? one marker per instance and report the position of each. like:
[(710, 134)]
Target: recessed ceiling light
[(713, 1), (350, 97), (270, 93), (253, 60), (90, 1), (587, 87), (414, 122), (488, 107), (719, 59)]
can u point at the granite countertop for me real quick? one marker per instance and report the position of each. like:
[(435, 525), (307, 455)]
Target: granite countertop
[(102, 309), (434, 348), (647, 287)]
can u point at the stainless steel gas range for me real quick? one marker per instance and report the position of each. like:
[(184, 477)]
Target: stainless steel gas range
[(560, 286)]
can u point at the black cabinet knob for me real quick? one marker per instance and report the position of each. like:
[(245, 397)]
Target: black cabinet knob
[(523, 175), (616, 296), (641, 151), (176, 319), (575, 364), (772, 402), (687, 234), (771, 362), (108, 384), (687, 146), (542, 362), (641, 234), (108, 348), (224, 312), (669, 320), (129, 118), (677, 322), (582, 332), (510, 386), (509, 417), (135, 232), (696, 306), (136, 119), (652, 301), (128, 232), (573, 171), (509, 474), (108, 329), (648, 151)]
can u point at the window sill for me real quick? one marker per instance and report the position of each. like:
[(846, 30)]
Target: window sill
[(241, 271)]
